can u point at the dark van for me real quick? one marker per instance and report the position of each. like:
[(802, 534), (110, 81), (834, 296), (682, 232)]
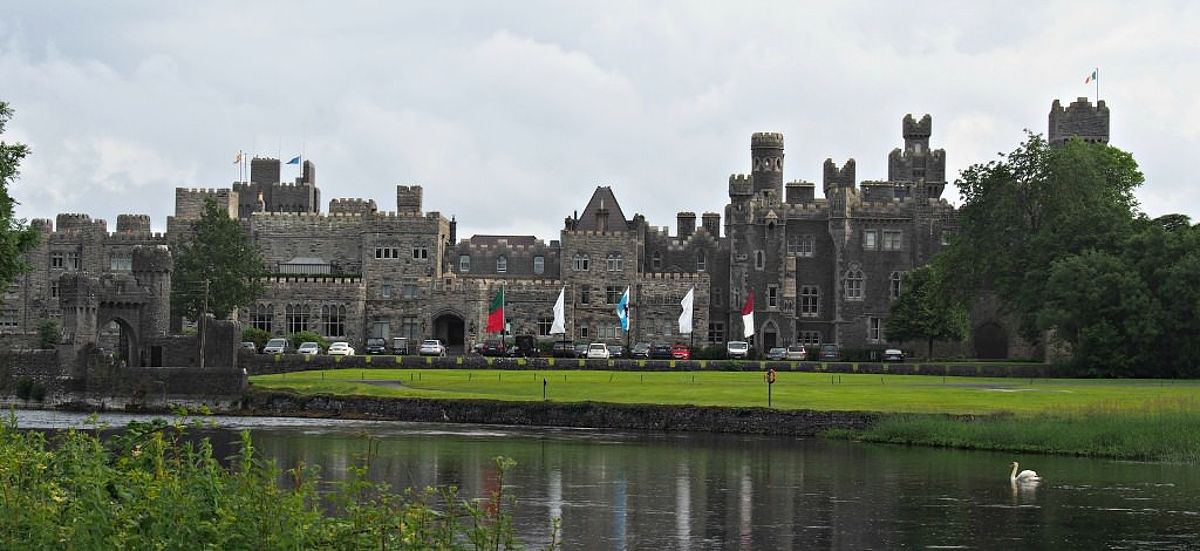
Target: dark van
[(830, 353)]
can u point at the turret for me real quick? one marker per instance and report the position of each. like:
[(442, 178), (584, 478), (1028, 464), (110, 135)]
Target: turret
[(133, 223), (838, 177), (1080, 119), (766, 156), (264, 170), (408, 199)]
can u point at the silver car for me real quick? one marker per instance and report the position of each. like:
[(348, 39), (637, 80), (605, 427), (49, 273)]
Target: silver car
[(432, 347)]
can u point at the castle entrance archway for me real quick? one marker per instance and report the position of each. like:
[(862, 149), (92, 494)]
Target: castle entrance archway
[(990, 342), (449, 328), (120, 337)]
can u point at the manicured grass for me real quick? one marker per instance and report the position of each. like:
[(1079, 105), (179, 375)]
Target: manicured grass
[(819, 391)]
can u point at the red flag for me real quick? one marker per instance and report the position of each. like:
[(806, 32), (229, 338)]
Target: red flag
[(748, 315), (495, 323)]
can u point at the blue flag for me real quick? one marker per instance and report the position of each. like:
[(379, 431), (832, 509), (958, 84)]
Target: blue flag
[(295, 160), (623, 310)]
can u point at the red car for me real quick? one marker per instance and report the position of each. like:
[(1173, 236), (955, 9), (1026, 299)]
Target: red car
[(681, 352)]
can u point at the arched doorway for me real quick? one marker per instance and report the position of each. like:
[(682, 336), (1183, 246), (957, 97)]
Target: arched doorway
[(118, 337), (770, 336), (991, 341), (449, 329)]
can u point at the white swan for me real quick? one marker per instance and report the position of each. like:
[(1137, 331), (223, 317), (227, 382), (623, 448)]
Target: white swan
[(1024, 476)]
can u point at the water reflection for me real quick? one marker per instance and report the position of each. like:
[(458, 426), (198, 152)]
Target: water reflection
[(617, 490)]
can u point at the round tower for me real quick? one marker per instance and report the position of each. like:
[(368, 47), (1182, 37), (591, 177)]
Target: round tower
[(766, 157)]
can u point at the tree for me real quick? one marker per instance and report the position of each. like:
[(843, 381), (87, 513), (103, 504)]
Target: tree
[(924, 311), (1037, 205), (217, 262), (15, 236), (48, 334)]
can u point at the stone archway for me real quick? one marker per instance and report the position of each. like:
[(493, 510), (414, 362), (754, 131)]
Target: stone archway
[(770, 337), (450, 329), (121, 338), (990, 341)]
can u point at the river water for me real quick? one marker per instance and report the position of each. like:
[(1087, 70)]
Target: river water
[(630, 490)]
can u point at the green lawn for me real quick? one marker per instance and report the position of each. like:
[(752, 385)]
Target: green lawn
[(888, 393)]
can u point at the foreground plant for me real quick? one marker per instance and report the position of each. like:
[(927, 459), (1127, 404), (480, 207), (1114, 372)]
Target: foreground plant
[(150, 488)]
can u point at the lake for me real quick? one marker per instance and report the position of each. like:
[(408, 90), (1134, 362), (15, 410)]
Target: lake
[(630, 490)]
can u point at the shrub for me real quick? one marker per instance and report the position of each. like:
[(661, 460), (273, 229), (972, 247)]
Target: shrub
[(48, 334), (256, 336), (37, 392), (24, 388), (307, 336)]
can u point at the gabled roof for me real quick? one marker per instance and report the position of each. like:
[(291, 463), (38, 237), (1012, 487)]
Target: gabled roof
[(602, 200)]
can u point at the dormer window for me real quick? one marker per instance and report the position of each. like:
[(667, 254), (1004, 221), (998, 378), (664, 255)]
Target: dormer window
[(502, 265)]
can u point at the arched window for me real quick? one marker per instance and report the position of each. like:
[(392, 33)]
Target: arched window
[(701, 262), (501, 264), (539, 264), (615, 262), (334, 319), (296, 317), (895, 282), (760, 260), (581, 262), (854, 283), (464, 264), (262, 316)]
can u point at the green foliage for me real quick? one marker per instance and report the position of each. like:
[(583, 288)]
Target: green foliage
[(256, 336), (15, 236), (216, 258), (925, 311), (24, 388), (308, 336), (48, 333), (149, 487)]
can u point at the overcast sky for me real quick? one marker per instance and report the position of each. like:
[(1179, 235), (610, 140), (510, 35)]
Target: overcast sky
[(510, 113)]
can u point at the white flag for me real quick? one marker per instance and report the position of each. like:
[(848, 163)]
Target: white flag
[(560, 320), (748, 316), (685, 319)]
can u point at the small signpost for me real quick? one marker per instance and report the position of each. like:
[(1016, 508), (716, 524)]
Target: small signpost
[(770, 383)]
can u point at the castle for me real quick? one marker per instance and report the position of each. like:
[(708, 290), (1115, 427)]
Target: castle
[(822, 269)]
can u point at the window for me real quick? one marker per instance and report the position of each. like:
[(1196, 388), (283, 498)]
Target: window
[(54, 289), (56, 260), (895, 282), (386, 290), (854, 284), (580, 263), (501, 264), (772, 296), (809, 338), (410, 328), (409, 290), (614, 262), (8, 317), (583, 333), (716, 331), (874, 329), (387, 253), (607, 333), (810, 301), (612, 295), (544, 326), (716, 293), (585, 294), (539, 264), (701, 262), (770, 233), (656, 261), (420, 252), (121, 264), (335, 320), (296, 317), (760, 260), (869, 240), (262, 316), (464, 264), (73, 260), (892, 240)]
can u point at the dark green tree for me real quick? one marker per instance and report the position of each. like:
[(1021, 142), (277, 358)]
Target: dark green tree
[(1034, 206), (216, 259), (925, 311), (15, 236)]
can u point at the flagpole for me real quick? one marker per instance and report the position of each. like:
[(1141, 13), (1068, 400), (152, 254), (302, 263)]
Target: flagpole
[(503, 318), (1097, 86)]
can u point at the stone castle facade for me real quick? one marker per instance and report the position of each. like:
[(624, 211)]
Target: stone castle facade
[(822, 269)]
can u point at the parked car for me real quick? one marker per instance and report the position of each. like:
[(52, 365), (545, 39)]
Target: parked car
[(526, 346), (277, 346), (249, 345), (640, 350), (830, 352), (376, 345), (797, 352), (597, 351), (893, 355), (432, 347), (341, 348), (581, 350), (660, 351), (616, 351), (777, 353), (680, 352), (309, 348), (563, 349), (400, 345), (492, 348), (737, 350)]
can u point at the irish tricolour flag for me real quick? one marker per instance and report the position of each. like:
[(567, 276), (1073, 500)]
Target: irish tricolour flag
[(495, 322), (1094, 76)]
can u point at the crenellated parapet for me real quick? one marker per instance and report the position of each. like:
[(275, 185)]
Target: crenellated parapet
[(352, 206), (133, 223), (408, 198), (740, 186), (1079, 120), (75, 222), (838, 177)]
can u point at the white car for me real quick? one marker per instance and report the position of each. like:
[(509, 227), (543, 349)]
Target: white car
[(309, 348), (597, 351), (432, 347), (341, 348)]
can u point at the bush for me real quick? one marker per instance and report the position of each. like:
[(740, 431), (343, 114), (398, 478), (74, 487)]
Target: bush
[(256, 336), (307, 336), (37, 392), (24, 388), (48, 334)]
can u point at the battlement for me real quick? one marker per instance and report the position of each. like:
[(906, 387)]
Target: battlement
[(312, 279), (78, 222), (133, 223), (766, 140), (799, 191), (686, 276), (839, 177), (1080, 119), (740, 185), (595, 233), (352, 206), (135, 237), (189, 202), (408, 198), (153, 258), (42, 225), (914, 130)]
